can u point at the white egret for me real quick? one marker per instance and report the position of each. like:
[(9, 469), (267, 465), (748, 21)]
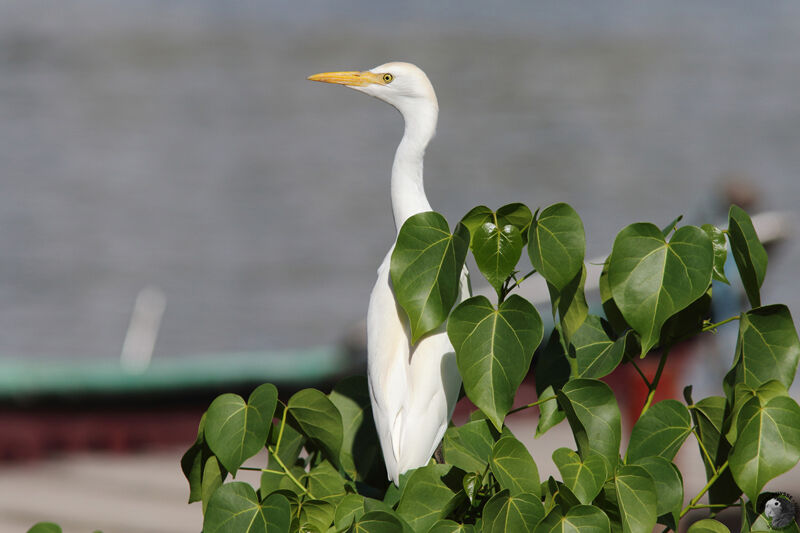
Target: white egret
[(413, 388)]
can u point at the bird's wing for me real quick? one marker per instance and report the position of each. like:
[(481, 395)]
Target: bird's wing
[(387, 367)]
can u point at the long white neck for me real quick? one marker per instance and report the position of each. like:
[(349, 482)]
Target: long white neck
[(408, 190)]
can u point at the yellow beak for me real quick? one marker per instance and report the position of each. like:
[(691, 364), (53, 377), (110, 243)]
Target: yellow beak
[(351, 78)]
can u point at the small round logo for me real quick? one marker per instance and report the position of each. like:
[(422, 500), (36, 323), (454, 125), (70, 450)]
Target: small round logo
[(780, 510)]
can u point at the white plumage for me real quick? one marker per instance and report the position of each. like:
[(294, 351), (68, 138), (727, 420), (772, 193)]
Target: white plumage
[(413, 388)]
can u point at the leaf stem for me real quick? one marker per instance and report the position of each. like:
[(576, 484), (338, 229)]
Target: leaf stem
[(700, 494), (639, 370), (713, 506), (288, 473), (705, 451), (280, 432), (654, 384), (718, 324), (537, 402)]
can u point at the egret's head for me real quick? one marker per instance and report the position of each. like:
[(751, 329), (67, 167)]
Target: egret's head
[(402, 85)]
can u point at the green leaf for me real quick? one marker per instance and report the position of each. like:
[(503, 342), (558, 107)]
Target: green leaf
[(518, 215), (316, 514), (552, 368), (651, 280), (557, 244), (707, 525), (596, 353), (234, 430), (768, 443), (514, 468), (430, 494), (669, 228), (317, 417), (505, 512), (709, 416), (764, 523), (45, 527), (494, 348), (594, 417), (767, 348), (549, 413), (349, 509), (468, 447), (637, 499), (325, 483), (584, 478), (668, 484), (612, 312), (748, 252), (361, 461), (377, 522), (264, 399), (235, 507), (213, 476), (476, 218), (570, 303), (720, 251), (744, 392), (448, 526), (497, 250), (660, 431), (579, 519), (426, 270), (193, 461)]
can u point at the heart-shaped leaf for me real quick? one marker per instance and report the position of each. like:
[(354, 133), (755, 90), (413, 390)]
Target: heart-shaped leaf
[(505, 512), (235, 507), (497, 250), (235, 430), (494, 348), (349, 509), (668, 483), (596, 353), (570, 303), (45, 527), (549, 413), (636, 494), (651, 280), (707, 525), (748, 252), (377, 522), (325, 483), (315, 416), (768, 348), (720, 251), (468, 447), (660, 431), (584, 478), (361, 453), (557, 244), (431, 492), (594, 417), (579, 519), (426, 267), (768, 443), (514, 468), (316, 515), (516, 214), (743, 393)]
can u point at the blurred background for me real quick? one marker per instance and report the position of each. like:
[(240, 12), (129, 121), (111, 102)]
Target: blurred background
[(176, 147)]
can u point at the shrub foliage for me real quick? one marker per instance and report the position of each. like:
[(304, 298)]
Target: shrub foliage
[(324, 471)]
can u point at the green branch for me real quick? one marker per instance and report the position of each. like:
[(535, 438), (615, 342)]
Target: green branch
[(709, 461), (654, 383), (710, 327), (700, 494), (537, 402)]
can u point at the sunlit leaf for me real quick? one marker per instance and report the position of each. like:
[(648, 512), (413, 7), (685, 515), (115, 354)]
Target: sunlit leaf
[(557, 244), (468, 446), (584, 477), (234, 430), (743, 393), (514, 468), (570, 304), (45, 527), (494, 348), (596, 353), (707, 525), (349, 509), (660, 431), (748, 252), (497, 250), (377, 522), (651, 279), (668, 484), (448, 526), (506, 512), (549, 413), (426, 267), (430, 494), (768, 443), (235, 507), (579, 519), (720, 251), (325, 483), (317, 417), (637, 499), (594, 417)]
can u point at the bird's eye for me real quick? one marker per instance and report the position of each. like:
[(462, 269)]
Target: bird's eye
[(387, 78)]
